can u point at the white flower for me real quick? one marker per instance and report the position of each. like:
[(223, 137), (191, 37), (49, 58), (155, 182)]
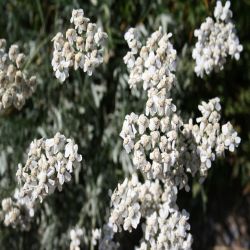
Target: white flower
[(130, 34), (71, 151), (76, 13), (58, 41), (62, 174), (13, 52), (71, 35), (100, 37), (129, 59)]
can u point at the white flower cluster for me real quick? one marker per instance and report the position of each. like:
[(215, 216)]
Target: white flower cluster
[(151, 64), (162, 149), (165, 230), (165, 226), (165, 150), (75, 237), (17, 211), (15, 85), (82, 47), (50, 164), (208, 139), (217, 39)]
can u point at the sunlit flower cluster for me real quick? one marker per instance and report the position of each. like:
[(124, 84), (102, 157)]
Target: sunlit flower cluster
[(17, 211), (50, 164), (208, 139), (81, 47), (15, 84), (158, 138), (166, 230), (217, 39), (151, 64), (165, 227), (127, 202), (165, 149)]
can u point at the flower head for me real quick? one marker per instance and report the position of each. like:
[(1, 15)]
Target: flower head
[(82, 48)]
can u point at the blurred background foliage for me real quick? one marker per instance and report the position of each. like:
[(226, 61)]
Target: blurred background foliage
[(91, 110)]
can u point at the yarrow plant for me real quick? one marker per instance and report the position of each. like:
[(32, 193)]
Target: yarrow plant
[(82, 47), (15, 84), (165, 149), (217, 39), (50, 164)]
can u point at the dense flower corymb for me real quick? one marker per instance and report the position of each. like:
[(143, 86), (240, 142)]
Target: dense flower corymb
[(17, 211), (217, 39), (15, 85), (50, 164), (151, 64), (165, 227), (82, 47)]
